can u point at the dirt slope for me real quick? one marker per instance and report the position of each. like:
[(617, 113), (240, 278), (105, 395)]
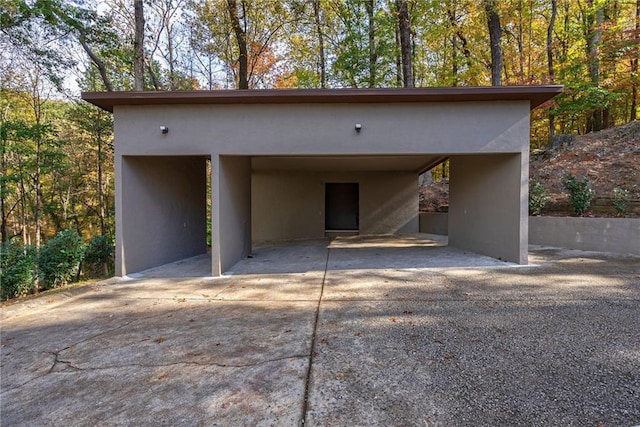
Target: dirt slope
[(610, 159)]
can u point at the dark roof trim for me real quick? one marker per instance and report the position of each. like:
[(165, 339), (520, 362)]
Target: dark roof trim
[(536, 95)]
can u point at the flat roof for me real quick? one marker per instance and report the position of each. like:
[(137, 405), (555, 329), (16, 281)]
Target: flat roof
[(536, 95)]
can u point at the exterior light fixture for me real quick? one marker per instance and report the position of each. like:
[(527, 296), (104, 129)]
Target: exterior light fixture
[(164, 130), (358, 127)]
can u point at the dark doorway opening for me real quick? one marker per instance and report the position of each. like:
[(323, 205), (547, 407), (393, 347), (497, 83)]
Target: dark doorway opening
[(342, 207)]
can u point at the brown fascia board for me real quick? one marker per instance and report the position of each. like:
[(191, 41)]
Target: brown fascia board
[(536, 95)]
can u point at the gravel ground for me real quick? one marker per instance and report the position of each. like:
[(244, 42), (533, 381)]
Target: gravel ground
[(344, 335)]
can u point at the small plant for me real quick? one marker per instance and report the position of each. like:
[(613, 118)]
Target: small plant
[(60, 259), (537, 198), (18, 265), (98, 255), (620, 200), (580, 193)]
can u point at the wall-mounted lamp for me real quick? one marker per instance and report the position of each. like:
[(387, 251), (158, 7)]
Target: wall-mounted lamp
[(164, 130), (358, 127)]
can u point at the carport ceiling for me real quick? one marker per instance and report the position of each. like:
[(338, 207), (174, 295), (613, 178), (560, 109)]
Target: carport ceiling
[(415, 163)]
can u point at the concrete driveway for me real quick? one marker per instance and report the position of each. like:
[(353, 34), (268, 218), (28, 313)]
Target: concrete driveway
[(346, 334)]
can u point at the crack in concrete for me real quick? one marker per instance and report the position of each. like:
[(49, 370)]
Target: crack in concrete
[(66, 367), (56, 353), (55, 356), (307, 384), (202, 364), (62, 366)]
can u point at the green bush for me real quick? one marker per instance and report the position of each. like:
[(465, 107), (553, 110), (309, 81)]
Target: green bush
[(580, 193), (537, 198), (620, 200), (18, 270), (60, 259), (98, 255)]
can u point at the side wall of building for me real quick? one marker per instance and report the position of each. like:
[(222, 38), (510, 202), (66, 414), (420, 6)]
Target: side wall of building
[(488, 205), (161, 211), (290, 204)]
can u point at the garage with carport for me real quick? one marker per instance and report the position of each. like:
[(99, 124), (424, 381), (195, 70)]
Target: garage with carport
[(305, 164)]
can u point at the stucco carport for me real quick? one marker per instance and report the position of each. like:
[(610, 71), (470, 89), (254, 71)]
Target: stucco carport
[(274, 154)]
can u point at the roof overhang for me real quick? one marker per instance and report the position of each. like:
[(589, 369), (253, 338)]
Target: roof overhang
[(536, 95), (417, 163)]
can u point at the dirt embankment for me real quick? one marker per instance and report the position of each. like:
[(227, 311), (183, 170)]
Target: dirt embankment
[(609, 159)]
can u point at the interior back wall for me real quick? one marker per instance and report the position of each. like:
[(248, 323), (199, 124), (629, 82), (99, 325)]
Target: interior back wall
[(289, 205)]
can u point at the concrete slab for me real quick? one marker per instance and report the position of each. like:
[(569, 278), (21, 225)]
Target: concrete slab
[(169, 361), (410, 251), (335, 334), (475, 363)]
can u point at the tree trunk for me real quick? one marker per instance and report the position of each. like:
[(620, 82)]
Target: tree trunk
[(404, 25), (373, 57), (103, 228), (321, 54), (38, 192), (453, 20), (157, 85), (398, 56), (520, 39), (241, 40), (634, 70), (26, 239), (37, 112), (495, 38), (98, 63), (138, 45), (594, 34), (454, 61), (3, 192), (552, 21)]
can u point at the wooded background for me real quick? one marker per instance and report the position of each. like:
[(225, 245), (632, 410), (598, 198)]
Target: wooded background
[(56, 153)]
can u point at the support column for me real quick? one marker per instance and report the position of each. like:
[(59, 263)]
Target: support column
[(230, 211), (488, 205)]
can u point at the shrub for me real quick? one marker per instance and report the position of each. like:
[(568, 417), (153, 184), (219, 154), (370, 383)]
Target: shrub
[(537, 198), (620, 200), (60, 259), (19, 270), (98, 255), (580, 193)]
